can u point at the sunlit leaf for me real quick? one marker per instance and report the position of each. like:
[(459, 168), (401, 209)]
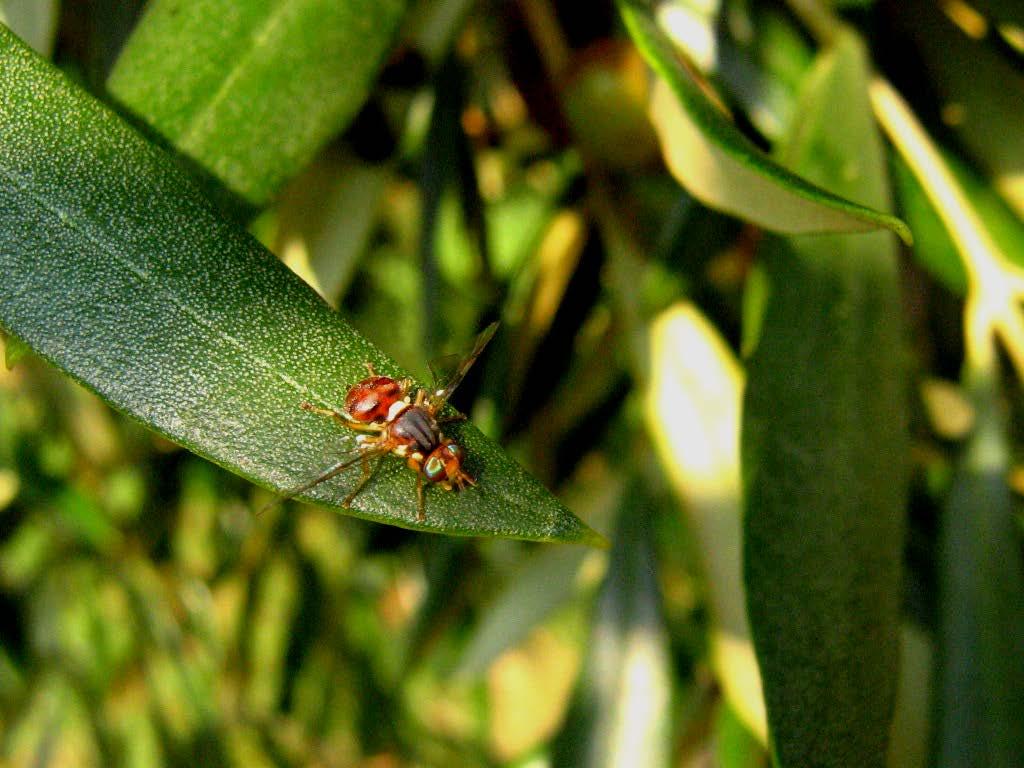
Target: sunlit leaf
[(980, 92), (933, 248), (118, 271), (34, 21), (693, 415), (824, 444), (735, 746), (251, 91), (620, 715), (986, 235), (720, 167)]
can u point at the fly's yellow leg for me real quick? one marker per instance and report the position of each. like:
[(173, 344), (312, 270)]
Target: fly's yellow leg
[(421, 510)]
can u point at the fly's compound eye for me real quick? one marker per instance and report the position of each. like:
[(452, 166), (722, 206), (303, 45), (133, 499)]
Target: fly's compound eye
[(371, 399), (435, 469), (445, 463)]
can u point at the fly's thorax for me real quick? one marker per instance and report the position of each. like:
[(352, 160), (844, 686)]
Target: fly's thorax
[(415, 429)]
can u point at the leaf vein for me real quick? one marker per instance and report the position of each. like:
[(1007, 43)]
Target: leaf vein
[(96, 237)]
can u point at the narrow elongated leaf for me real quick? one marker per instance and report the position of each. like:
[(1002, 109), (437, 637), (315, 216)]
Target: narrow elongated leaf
[(983, 92), (823, 446), (933, 248), (620, 714), (719, 166), (693, 415), (114, 268), (251, 90), (546, 580), (981, 579), (911, 722)]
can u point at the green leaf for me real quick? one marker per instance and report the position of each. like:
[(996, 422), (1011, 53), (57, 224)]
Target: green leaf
[(34, 21), (251, 91), (546, 580), (693, 417), (14, 350), (981, 584), (620, 713), (735, 746), (982, 91), (823, 449), (118, 271), (720, 167), (933, 249)]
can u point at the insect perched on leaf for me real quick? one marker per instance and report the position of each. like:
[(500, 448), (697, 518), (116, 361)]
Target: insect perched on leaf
[(391, 419)]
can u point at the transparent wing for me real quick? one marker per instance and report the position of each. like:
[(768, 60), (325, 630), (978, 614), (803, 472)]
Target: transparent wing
[(444, 390), (443, 369)]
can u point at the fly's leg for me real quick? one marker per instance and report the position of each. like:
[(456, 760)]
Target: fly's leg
[(421, 511), (452, 419), (329, 412), (367, 474), (340, 417), (370, 368)]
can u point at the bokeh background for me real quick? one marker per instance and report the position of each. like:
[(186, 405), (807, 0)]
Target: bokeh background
[(503, 167)]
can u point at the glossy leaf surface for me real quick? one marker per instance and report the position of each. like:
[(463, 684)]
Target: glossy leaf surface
[(118, 271)]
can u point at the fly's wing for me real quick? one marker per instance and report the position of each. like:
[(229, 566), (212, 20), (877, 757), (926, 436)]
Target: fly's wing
[(443, 370), (347, 460), (444, 389)]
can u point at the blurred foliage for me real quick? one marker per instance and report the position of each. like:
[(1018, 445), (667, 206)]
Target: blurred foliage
[(498, 160)]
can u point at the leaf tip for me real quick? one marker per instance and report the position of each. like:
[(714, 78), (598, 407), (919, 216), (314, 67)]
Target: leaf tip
[(591, 538), (902, 231)]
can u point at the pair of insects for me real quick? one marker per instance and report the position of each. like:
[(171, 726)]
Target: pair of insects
[(391, 419)]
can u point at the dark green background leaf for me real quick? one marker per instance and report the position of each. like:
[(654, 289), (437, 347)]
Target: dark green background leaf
[(981, 90), (251, 90), (981, 686), (117, 270), (824, 445), (620, 711)]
